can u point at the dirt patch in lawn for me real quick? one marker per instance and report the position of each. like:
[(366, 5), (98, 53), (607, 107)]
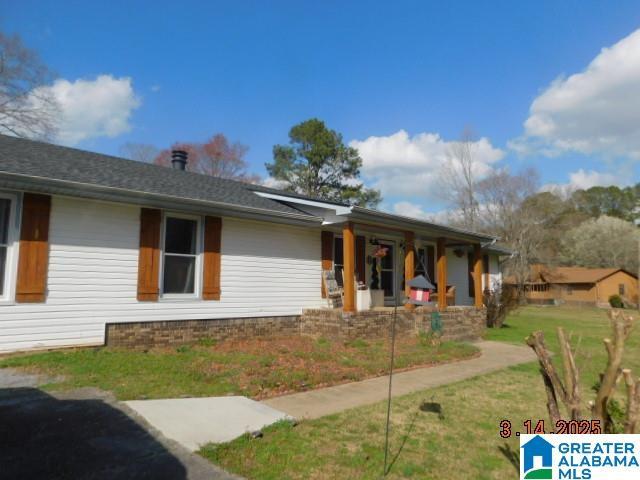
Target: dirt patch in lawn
[(284, 365), (257, 368)]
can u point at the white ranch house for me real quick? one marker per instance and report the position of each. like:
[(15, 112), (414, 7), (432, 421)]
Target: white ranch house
[(89, 240)]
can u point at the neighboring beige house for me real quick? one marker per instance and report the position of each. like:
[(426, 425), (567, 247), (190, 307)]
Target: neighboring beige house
[(579, 285)]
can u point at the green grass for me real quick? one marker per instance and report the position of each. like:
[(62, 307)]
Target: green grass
[(255, 368), (463, 443)]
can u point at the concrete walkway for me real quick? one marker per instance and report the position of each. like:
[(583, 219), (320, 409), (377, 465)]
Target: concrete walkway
[(325, 401), (193, 422)]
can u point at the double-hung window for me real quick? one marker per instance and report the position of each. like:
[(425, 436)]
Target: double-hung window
[(181, 259), (7, 234)]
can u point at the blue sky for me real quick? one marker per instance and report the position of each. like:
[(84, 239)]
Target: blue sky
[(183, 71)]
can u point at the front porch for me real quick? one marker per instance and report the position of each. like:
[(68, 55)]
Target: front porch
[(457, 267), (462, 323)]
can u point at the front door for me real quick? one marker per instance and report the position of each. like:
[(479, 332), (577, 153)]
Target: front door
[(387, 276)]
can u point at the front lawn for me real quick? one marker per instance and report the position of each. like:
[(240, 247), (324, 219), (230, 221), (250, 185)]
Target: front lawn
[(461, 442), (255, 368)]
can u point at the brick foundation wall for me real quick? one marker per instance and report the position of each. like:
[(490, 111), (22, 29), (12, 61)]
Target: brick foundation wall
[(458, 323), (184, 332)]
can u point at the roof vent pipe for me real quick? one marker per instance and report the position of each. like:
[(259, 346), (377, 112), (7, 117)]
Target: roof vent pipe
[(179, 159)]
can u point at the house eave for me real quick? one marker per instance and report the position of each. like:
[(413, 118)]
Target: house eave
[(367, 216), (13, 181)]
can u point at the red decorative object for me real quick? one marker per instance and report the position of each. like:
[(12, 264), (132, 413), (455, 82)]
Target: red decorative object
[(419, 295), (380, 251)]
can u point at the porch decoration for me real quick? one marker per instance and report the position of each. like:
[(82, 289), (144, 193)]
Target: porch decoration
[(379, 252), (436, 323), (421, 289)]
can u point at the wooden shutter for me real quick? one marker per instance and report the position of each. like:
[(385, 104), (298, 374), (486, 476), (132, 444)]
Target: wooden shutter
[(212, 260), (149, 255), (326, 239), (31, 285), (360, 258)]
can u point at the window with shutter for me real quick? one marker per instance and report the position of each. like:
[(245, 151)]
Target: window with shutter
[(181, 256)]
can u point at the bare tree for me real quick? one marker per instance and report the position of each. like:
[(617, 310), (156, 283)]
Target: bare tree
[(504, 212), (27, 106), (141, 152), (217, 157), (458, 178)]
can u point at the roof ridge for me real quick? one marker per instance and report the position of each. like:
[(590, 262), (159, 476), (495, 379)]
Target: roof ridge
[(122, 159)]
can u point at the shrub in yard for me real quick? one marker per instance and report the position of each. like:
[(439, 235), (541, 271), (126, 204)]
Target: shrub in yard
[(616, 301), (499, 303)]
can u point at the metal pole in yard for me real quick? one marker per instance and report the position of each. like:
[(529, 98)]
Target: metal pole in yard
[(393, 345)]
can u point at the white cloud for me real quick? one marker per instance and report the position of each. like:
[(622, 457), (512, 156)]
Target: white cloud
[(400, 165), (155, 88), (409, 209), (273, 183), (413, 210), (583, 180), (586, 179), (93, 108), (596, 111)]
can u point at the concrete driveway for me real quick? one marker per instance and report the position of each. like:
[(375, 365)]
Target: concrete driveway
[(85, 435)]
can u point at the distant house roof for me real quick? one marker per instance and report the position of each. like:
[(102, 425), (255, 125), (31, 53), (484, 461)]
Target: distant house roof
[(43, 167), (562, 275), (579, 274)]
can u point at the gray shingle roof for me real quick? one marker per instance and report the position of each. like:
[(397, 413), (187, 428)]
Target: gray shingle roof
[(39, 159)]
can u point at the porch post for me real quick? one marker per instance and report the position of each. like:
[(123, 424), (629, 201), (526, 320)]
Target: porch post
[(441, 255), (326, 240), (348, 248), (409, 265), (477, 275)]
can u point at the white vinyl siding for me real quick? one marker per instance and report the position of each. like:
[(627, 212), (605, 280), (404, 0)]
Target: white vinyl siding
[(495, 276), (458, 275), (267, 269)]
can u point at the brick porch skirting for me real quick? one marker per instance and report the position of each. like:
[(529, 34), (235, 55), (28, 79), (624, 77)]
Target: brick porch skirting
[(458, 323)]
